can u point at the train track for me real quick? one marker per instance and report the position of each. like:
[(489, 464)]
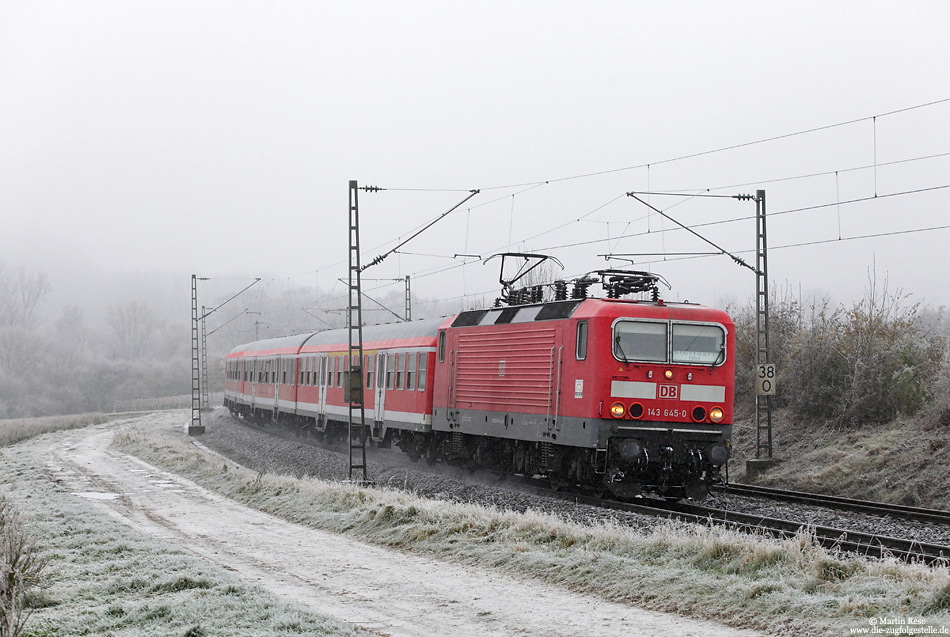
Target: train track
[(868, 544), (873, 545), (882, 509)]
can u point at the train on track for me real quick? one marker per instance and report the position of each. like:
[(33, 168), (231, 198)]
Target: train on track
[(610, 394)]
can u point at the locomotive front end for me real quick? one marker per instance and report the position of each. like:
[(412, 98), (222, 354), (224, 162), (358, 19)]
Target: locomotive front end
[(669, 400)]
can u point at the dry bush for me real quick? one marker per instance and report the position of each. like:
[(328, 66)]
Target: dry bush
[(21, 568), (847, 366)]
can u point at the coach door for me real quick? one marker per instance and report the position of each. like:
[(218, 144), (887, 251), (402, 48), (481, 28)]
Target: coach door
[(322, 402), (255, 370), (278, 370), (379, 408)]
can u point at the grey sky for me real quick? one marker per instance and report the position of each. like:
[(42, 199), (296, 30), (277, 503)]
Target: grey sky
[(219, 137)]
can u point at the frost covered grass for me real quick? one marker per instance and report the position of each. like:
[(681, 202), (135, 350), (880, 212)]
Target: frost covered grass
[(105, 579), (15, 430), (790, 587)]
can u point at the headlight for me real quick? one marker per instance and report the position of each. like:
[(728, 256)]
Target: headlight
[(617, 410), (715, 414), (699, 414)]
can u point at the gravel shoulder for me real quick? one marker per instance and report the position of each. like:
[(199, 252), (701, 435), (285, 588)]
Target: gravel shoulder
[(380, 590)]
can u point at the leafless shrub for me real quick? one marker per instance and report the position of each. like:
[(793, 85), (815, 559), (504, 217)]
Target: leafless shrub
[(847, 366), (21, 568)]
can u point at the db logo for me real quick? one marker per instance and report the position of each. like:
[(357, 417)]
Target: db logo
[(669, 391)]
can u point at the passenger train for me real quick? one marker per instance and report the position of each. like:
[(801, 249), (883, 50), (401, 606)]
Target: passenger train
[(622, 395)]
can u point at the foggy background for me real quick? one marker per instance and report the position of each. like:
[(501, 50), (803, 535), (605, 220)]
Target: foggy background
[(144, 142)]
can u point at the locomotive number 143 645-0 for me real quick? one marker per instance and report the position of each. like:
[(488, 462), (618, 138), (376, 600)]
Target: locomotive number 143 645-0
[(667, 413)]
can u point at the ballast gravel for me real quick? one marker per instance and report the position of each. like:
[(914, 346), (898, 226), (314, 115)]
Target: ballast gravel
[(277, 450)]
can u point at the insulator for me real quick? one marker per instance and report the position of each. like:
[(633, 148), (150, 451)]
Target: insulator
[(580, 290), (537, 294), (560, 291), (656, 294)]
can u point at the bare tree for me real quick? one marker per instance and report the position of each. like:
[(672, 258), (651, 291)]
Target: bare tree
[(134, 324), (21, 568), (20, 294)]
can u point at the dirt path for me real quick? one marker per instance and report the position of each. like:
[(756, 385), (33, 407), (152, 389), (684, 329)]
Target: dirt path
[(380, 590)]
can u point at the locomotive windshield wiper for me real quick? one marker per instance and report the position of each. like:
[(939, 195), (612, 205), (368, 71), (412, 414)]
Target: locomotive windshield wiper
[(721, 358), (620, 348)]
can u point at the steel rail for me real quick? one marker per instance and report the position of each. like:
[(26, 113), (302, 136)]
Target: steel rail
[(869, 544), (883, 509)]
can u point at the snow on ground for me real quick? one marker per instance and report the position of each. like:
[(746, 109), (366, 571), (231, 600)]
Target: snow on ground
[(381, 590)]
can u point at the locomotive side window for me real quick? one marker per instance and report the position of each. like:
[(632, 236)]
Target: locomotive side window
[(442, 346), (580, 347), (700, 344), (640, 341)]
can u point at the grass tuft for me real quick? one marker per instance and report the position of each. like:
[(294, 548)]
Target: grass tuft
[(940, 601), (182, 583)]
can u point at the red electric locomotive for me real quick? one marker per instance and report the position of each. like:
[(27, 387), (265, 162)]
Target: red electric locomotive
[(626, 395)]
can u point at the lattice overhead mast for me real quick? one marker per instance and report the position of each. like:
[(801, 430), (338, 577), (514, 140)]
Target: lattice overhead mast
[(356, 432)]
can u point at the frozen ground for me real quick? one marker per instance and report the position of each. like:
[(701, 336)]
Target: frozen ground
[(380, 590)]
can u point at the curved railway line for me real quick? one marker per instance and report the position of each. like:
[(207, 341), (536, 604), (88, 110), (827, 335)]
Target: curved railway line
[(869, 544), (883, 509), (846, 540)]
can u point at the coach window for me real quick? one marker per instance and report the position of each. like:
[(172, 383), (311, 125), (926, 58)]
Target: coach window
[(423, 363), (580, 347), (391, 371), (442, 346), (370, 369), (283, 374), (411, 362), (400, 376), (339, 371)]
